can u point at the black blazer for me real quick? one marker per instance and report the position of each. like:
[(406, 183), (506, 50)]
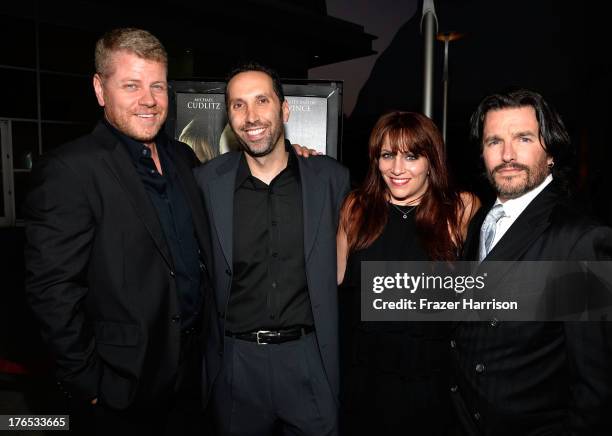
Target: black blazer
[(528, 378), (325, 183), (99, 271)]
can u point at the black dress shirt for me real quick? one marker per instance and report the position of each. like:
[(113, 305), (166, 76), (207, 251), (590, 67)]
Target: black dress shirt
[(269, 289), (174, 213)]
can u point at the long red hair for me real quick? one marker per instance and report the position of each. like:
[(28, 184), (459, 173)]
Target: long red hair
[(365, 210)]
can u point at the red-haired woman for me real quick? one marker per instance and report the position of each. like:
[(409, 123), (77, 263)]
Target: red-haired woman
[(394, 374)]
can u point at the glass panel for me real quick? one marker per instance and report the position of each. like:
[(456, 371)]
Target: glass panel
[(22, 180), (54, 134), (55, 57), (2, 210), (18, 94), (18, 38), (25, 144), (67, 98), (6, 203), (3, 134)]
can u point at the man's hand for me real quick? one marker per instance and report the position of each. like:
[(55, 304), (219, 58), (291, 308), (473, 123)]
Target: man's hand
[(304, 151), (94, 401)]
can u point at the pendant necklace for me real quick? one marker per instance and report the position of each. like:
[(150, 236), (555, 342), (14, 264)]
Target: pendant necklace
[(404, 213)]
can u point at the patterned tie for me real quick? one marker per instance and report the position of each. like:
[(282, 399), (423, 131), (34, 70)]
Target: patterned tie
[(487, 231)]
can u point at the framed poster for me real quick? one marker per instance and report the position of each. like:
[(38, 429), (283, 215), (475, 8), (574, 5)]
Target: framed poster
[(197, 116)]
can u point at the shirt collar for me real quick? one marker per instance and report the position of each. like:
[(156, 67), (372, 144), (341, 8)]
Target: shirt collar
[(515, 206), (244, 172), (135, 148)]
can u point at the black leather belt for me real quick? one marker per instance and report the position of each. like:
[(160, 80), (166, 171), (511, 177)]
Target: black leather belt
[(264, 337)]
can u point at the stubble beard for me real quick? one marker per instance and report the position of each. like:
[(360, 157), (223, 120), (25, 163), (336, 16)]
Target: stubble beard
[(142, 136), (269, 143), (266, 148), (512, 188), (132, 130)]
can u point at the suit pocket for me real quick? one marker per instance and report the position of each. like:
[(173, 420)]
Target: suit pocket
[(119, 334)]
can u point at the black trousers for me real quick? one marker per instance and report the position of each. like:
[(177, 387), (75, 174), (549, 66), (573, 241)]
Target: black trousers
[(179, 414), (273, 389)]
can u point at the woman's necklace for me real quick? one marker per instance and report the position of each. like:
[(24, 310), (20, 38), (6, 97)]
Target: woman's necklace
[(404, 213)]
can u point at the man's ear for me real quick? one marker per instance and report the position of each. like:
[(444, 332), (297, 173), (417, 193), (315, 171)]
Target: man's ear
[(285, 111), (98, 88)]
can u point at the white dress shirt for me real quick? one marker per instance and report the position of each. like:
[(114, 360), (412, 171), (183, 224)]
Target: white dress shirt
[(514, 207)]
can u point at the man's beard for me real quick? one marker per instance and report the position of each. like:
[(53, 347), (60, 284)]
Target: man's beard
[(518, 184), (271, 141), (259, 151), (132, 130)]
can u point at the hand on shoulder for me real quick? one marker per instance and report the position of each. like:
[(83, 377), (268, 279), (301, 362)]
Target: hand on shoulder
[(305, 151)]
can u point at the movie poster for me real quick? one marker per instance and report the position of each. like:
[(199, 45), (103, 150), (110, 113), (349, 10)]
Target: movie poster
[(201, 122), (307, 124)]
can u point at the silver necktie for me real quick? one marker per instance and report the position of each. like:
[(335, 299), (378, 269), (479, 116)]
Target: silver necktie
[(487, 231)]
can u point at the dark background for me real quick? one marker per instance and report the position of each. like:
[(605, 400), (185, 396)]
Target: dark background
[(557, 48)]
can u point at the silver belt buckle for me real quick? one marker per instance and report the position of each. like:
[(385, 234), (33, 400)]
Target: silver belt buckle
[(259, 338)]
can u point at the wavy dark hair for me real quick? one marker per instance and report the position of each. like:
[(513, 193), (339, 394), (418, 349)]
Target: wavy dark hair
[(365, 211), (552, 131)]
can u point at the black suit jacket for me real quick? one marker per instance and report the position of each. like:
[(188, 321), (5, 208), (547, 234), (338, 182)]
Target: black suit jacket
[(528, 378), (325, 183), (100, 276)]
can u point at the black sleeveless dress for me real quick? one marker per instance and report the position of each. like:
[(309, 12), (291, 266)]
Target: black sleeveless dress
[(394, 375)]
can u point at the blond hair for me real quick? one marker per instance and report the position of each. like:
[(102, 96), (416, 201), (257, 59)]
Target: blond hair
[(136, 41), (194, 135)]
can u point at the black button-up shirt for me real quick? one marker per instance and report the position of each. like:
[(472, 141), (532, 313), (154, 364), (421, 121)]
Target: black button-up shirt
[(174, 213), (269, 289)]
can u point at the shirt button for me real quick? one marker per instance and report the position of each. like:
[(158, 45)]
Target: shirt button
[(454, 388), (172, 273), (480, 368), (145, 151), (274, 285), (476, 416), (453, 344), (152, 171), (494, 322)]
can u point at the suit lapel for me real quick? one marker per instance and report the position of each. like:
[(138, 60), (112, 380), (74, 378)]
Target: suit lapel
[(470, 248), (221, 193), (314, 197), (534, 220), (517, 240), (198, 215), (119, 163)]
